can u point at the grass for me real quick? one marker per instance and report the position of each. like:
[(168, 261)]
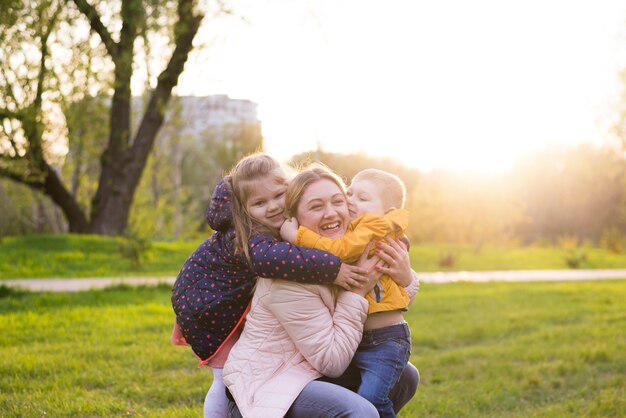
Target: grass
[(426, 257), (483, 350), (75, 256)]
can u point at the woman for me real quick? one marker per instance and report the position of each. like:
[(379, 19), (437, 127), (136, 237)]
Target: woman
[(296, 333)]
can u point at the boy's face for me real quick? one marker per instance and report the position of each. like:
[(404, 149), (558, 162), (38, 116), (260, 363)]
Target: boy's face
[(364, 196)]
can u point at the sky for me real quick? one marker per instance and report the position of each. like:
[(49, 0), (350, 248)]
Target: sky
[(435, 84)]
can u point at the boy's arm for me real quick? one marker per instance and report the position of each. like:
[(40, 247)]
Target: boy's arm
[(349, 247)]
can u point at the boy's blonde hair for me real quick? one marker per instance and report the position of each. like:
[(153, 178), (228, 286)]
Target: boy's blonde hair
[(391, 187), (240, 180), (299, 184)]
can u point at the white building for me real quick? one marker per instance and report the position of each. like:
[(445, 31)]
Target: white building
[(195, 116)]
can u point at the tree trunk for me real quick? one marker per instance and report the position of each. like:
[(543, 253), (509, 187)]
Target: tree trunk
[(53, 187), (119, 181)]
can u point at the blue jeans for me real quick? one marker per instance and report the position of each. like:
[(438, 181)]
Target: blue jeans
[(381, 358), (401, 393), (323, 400)]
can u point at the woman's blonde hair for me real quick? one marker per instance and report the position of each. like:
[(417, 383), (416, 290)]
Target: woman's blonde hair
[(298, 185), (240, 181), (309, 175)]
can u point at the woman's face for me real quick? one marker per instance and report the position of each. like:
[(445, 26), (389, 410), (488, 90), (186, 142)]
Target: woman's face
[(323, 209)]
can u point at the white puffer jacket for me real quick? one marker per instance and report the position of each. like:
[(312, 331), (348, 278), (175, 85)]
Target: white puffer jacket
[(294, 334)]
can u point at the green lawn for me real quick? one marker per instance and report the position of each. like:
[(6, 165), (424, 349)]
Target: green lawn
[(75, 256), (483, 350)]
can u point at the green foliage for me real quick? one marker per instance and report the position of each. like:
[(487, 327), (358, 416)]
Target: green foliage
[(574, 256), (515, 350), (447, 259), (183, 170), (134, 248)]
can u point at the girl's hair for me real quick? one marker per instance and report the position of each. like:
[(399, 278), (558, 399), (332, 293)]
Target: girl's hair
[(390, 187), (249, 169), (298, 185)]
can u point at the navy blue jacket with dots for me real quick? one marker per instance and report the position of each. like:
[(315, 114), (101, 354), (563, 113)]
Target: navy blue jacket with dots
[(214, 286)]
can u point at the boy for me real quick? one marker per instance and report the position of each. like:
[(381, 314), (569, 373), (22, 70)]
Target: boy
[(375, 202)]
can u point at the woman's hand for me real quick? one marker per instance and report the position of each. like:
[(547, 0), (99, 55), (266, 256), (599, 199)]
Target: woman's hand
[(397, 263)]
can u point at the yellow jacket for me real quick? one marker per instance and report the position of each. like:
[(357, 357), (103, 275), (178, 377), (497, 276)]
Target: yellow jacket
[(387, 295)]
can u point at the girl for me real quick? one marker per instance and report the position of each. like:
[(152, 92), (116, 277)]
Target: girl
[(213, 289)]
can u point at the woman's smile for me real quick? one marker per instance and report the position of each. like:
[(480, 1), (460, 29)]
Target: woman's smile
[(323, 209)]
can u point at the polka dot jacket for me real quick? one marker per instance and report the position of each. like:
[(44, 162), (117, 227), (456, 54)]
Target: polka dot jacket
[(214, 286)]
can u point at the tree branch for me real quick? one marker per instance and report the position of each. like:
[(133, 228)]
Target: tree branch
[(44, 55), (7, 114), (96, 24), (9, 88), (33, 183), (185, 31)]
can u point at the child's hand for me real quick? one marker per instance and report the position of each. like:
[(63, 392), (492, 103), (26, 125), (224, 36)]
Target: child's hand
[(397, 263), (289, 230), (351, 277), (359, 278)]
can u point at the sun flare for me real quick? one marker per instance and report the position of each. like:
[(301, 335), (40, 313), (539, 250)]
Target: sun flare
[(431, 88)]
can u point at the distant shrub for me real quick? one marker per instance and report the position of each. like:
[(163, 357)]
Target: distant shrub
[(574, 259), (574, 256), (133, 248), (447, 259), (6, 291), (613, 240)]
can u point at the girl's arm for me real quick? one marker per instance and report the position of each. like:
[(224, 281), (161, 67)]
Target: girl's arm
[(276, 259)]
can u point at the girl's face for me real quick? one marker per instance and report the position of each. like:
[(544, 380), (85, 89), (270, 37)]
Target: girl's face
[(364, 196), (323, 209), (266, 202)]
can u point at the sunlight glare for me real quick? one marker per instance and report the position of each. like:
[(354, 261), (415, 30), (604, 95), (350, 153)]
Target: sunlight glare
[(469, 89)]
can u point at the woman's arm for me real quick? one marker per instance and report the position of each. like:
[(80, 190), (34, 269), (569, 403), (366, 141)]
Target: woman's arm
[(326, 332), (327, 339)]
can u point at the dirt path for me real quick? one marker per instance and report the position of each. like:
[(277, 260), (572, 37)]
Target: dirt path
[(73, 285)]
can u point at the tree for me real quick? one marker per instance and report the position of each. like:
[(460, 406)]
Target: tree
[(35, 90), (572, 191)]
